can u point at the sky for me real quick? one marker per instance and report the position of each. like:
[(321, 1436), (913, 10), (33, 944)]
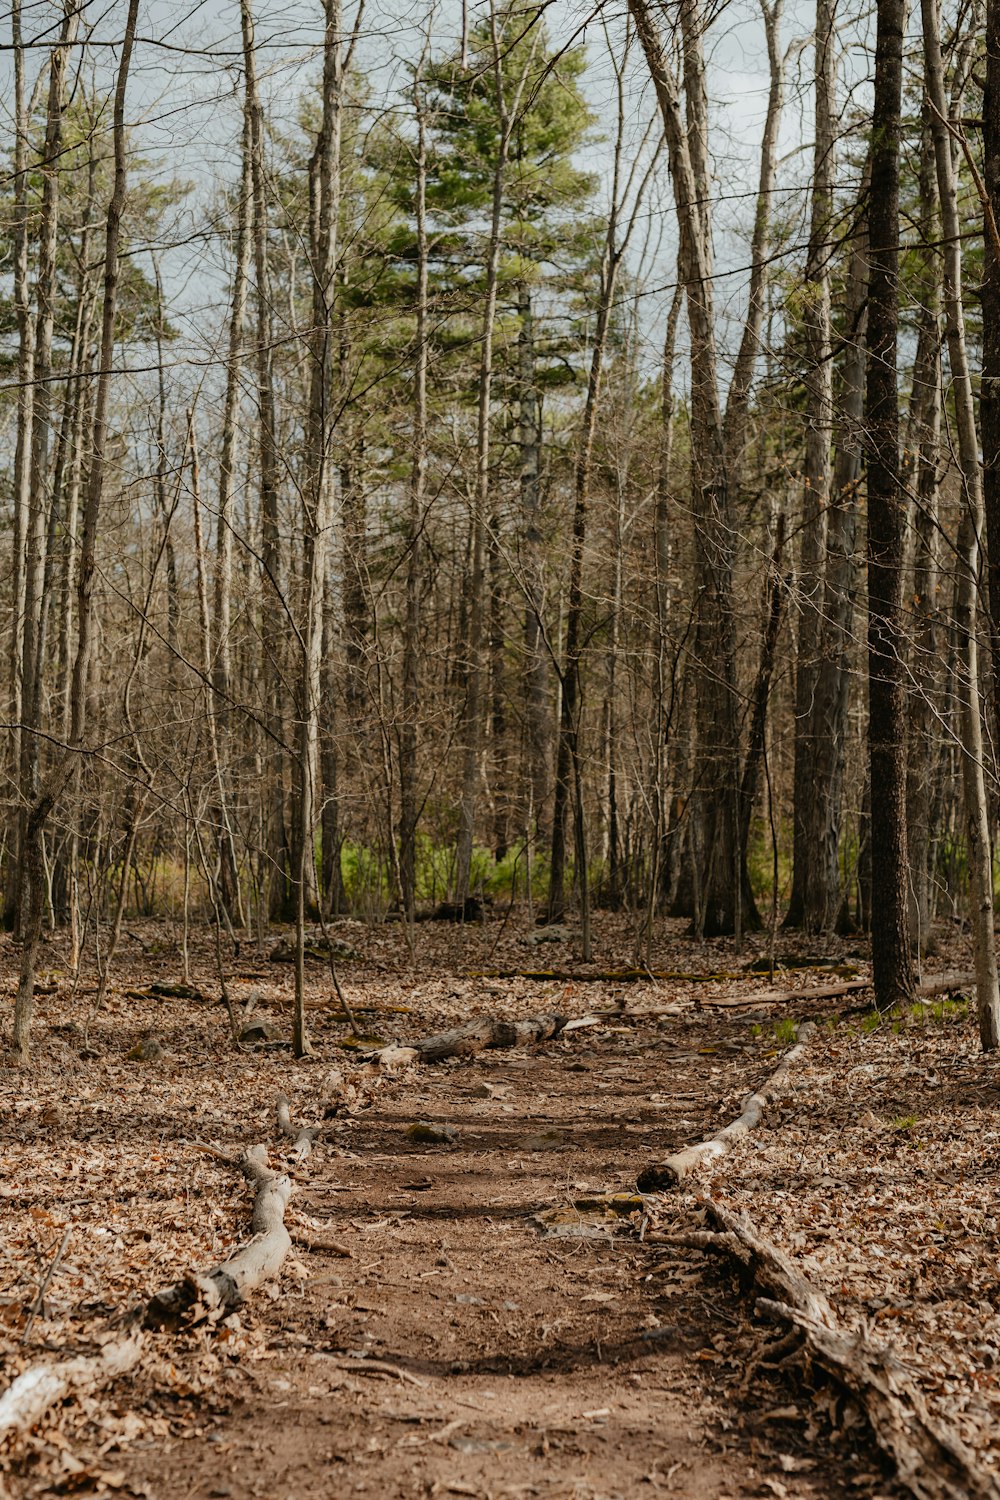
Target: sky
[(184, 107)]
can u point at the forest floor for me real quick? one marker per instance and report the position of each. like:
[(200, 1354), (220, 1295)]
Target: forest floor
[(499, 1323)]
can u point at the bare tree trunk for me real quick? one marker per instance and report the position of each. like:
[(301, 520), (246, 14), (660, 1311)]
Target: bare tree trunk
[(893, 970), (38, 816), (224, 842), (989, 401), (160, 492), (813, 903), (734, 439), (777, 594), (738, 399), (922, 447), (221, 665), (569, 779), (408, 808), (664, 684), (536, 674), (274, 605), (324, 182), (23, 448), (834, 671), (36, 517), (973, 777), (472, 716), (714, 834)]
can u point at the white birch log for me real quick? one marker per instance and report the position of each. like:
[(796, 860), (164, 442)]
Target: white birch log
[(38, 1389), (677, 1168), (210, 1296), (477, 1036)]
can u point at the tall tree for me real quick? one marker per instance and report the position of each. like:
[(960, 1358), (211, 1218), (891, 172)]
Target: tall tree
[(815, 892), (39, 813), (720, 887), (508, 92), (893, 969), (274, 603), (973, 774), (990, 297)]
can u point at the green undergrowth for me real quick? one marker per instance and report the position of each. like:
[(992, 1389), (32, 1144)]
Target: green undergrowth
[(779, 1033)]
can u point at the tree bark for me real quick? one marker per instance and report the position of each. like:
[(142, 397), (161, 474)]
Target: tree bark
[(536, 685), (472, 716), (324, 173), (408, 805), (23, 445), (923, 463), (714, 841), (813, 902), (221, 662), (274, 604), (979, 848), (989, 400), (886, 522), (39, 496)]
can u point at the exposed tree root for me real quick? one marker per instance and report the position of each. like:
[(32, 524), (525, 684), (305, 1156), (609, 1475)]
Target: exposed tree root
[(676, 1169), (477, 1036), (933, 1463)]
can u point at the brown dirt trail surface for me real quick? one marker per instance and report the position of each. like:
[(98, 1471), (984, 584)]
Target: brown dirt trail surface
[(499, 1327)]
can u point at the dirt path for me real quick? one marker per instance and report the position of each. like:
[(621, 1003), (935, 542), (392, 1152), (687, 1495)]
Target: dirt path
[(497, 1329), (469, 1348)]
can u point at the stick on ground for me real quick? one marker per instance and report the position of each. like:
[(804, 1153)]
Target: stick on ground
[(209, 1297)]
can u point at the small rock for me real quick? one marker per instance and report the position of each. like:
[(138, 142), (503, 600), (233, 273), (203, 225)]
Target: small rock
[(260, 1031), (431, 1134)]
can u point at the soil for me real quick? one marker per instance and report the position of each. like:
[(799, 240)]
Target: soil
[(498, 1326)]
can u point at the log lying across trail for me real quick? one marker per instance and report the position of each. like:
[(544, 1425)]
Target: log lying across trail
[(932, 1462), (477, 1036), (301, 1136), (198, 1297), (675, 1169)]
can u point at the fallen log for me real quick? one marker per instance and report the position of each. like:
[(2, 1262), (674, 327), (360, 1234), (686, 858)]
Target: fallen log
[(932, 1462), (206, 1297), (937, 984), (477, 1036), (944, 984), (783, 997), (609, 976), (210, 1296), (38, 1389), (672, 1171), (637, 975)]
